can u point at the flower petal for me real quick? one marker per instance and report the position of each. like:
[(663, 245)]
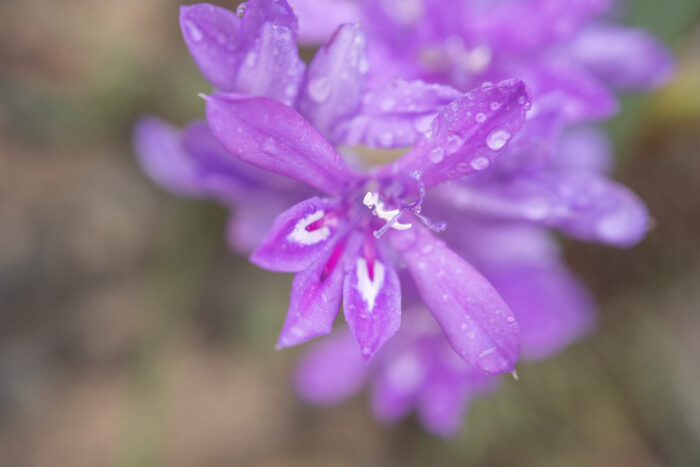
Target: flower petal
[(572, 89), (317, 24), (398, 382), (552, 307), (256, 56), (335, 79), (583, 204), (395, 115), (315, 299), (271, 67), (467, 134), (525, 25), (371, 297), (298, 236), (158, 146), (272, 136), (626, 58), (585, 148), (212, 35), (331, 371), (477, 322)]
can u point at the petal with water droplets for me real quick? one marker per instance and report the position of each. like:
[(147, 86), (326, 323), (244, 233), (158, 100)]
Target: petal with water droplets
[(477, 322), (273, 136), (467, 134)]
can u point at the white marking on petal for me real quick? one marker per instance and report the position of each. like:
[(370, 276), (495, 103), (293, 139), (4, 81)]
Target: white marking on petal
[(369, 289), (305, 237), (371, 200)]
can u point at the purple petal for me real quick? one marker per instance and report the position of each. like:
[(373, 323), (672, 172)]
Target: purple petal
[(442, 404), (552, 307), (371, 297), (257, 56), (272, 136), (467, 134), (259, 12), (317, 23), (271, 67), (159, 148), (585, 148), (315, 299), (533, 148), (582, 204), (335, 79), (331, 371), (212, 36), (395, 115), (522, 25), (626, 58), (570, 88), (397, 384), (475, 319), (249, 223), (298, 236)]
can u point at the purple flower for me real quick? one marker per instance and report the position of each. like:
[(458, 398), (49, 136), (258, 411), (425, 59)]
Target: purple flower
[(257, 55), (561, 49), (336, 243), (417, 370)]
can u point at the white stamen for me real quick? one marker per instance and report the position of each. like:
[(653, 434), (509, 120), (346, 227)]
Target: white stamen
[(369, 288), (371, 200), (304, 237)]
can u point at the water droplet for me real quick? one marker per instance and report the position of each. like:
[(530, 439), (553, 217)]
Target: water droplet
[(423, 124), (480, 118), (495, 105), (497, 139), (521, 100), (363, 65), (480, 163), (269, 146), (193, 31), (510, 319), (250, 59), (454, 142), (436, 155), (319, 89), (241, 9), (388, 104), (454, 106), (386, 139), (290, 90)]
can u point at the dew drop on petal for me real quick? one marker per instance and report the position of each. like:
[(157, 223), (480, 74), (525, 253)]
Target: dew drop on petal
[(521, 100), (454, 142), (319, 89), (193, 31), (436, 155), (497, 139), (480, 163), (495, 106), (250, 59), (480, 118)]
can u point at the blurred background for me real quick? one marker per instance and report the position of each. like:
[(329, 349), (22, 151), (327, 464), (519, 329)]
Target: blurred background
[(130, 336)]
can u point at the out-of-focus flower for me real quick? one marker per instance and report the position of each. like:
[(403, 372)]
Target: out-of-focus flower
[(417, 370), (556, 47)]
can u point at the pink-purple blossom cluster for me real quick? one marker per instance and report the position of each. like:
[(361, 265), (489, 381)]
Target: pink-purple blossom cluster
[(443, 259)]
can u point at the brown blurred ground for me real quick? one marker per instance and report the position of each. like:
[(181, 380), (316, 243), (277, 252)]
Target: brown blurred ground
[(130, 336)]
